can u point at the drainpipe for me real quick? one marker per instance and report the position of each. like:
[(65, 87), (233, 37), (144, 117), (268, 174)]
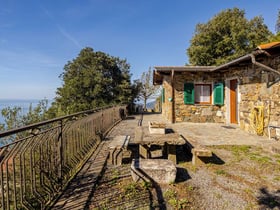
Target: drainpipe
[(246, 57), (253, 58), (173, 98)]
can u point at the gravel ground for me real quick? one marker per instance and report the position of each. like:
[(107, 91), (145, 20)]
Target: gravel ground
[(240, 177)]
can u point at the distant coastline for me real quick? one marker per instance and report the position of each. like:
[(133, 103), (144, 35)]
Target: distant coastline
[(22, 103)]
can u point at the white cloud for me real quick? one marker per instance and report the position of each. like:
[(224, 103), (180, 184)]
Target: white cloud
[(61, 30), (69, 36)]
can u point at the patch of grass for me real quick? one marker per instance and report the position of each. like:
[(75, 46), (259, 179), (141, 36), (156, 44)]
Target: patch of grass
[(218, 195), (131, 189), (171, 197), (277, 156), (193, 168), (168, 194), (277, 178), (248, 191), (258, 158), (190, 188), (238, 150), (147, 185), (115, 176), (220, 172)]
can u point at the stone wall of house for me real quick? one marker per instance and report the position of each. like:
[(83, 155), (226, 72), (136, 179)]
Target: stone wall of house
[(259, 91), (186, 112), (196, 113), (167, 104)]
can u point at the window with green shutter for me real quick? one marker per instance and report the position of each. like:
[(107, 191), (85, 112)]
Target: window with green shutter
[(219, 93), (163, 95), (189, 93)]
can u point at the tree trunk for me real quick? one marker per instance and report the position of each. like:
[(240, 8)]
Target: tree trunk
[(145, 104)]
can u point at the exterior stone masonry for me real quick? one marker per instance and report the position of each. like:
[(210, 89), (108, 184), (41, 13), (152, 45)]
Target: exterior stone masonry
[(257, 89), (166, 103)]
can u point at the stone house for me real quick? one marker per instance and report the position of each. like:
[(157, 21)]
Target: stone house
[(245, 91)]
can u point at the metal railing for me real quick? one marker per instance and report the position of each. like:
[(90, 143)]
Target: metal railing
[(42, 158)]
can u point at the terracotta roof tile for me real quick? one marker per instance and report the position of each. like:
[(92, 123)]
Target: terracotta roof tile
[(269, 45)]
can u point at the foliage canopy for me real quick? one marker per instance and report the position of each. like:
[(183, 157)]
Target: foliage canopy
[(93, 79), (226, 36)]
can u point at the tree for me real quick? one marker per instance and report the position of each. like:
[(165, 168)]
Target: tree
[(277, 26), (226, 36), (276, 37), (93, 79), (146, 87)]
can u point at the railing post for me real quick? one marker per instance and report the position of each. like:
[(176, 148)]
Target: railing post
[(60, 153), (102, 122)]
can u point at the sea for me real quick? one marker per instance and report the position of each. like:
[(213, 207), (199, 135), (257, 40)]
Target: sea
[(24, 104)]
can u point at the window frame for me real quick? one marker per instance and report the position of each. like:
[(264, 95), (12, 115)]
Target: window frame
[(210, 85)]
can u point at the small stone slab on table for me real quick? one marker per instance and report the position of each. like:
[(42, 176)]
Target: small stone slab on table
[(117, 148), (153, 170), (156, 127)]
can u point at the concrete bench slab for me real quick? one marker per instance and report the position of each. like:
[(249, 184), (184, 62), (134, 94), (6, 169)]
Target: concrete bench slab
[(153, 170), (117, 148)]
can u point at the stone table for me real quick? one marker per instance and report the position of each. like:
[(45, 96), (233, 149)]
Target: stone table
[(168, 141)]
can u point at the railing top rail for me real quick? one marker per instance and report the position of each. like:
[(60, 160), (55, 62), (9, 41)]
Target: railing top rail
[(36, 125)]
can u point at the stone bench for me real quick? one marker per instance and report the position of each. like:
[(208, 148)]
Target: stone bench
[(198, 152), (153, 170), (117, 149)]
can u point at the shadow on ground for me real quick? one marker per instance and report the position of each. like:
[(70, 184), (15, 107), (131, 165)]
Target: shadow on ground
[(269, 200)]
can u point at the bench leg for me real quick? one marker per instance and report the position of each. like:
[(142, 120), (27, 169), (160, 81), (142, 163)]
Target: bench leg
[(118, 157), (171, 153), (144, 151), (196, 160)]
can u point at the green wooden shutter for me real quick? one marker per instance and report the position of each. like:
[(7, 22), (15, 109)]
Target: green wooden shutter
[(219, 94), (163, 95), (189, 93)]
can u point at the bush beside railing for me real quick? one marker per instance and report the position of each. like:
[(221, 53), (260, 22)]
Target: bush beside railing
[(43, 157)]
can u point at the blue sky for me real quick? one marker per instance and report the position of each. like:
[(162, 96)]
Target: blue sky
[(37, 38)]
